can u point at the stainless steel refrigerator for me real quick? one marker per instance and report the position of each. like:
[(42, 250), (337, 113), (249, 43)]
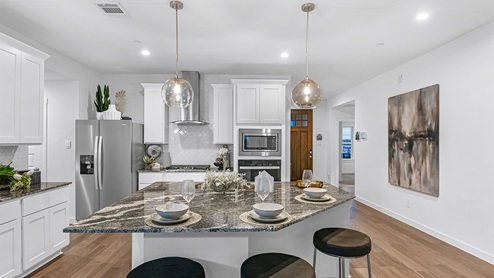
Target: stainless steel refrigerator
[(108, 155)]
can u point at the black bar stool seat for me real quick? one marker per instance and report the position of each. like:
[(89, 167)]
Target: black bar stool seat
[(169, 267), (342, 243), (276, 265)]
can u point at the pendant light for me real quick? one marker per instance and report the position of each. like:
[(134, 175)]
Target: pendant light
[(177, 92), (307, 93)]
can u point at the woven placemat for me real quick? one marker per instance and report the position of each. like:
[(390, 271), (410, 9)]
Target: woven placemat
[(302, 200), (245, 217), (194, 218)]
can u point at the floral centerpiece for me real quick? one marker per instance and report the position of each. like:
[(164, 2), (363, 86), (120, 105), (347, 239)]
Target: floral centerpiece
[(224, 181), (17, 181)]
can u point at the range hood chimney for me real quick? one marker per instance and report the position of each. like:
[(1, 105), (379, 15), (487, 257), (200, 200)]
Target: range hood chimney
[(190, 115)]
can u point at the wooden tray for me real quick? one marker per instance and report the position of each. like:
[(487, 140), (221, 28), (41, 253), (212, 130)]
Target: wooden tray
[(316, 183)]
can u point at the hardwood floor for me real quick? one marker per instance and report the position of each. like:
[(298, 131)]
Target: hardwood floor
[(398, 251)]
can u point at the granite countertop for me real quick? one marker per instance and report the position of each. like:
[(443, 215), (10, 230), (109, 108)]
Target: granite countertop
[(171, 171), (220, 212), (6, 195)]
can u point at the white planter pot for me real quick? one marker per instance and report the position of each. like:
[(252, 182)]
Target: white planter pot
[(99, 115)]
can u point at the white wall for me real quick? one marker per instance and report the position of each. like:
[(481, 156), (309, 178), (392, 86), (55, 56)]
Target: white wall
[(462, 215), (319, 148), (61, 115)]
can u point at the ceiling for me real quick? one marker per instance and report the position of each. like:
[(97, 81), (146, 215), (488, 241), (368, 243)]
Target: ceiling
[(247, 37)]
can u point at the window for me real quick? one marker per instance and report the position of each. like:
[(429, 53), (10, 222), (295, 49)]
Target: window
[(346, 142)]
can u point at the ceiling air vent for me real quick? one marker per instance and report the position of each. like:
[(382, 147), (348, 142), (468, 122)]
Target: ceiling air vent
[(112, 9)]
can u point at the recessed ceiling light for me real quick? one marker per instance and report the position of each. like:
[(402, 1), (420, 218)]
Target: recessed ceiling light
[(422, 16), (284, 54), (145, 52), (380, 44)]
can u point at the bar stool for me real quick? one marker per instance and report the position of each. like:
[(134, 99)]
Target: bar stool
[(342, 243), (169, 267), (276, 265)]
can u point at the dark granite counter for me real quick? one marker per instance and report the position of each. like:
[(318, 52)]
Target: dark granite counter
[(6, 195), (219, 212)]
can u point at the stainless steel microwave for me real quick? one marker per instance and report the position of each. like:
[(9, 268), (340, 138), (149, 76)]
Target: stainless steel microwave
[(260, 142)]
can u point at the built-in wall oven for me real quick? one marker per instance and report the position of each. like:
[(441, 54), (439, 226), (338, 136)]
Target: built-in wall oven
[(252, 167), (259, 142)]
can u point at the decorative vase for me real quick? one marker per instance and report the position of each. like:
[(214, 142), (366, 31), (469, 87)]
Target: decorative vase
[(112, 113)]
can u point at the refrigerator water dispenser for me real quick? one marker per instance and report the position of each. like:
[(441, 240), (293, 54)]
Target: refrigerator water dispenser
[(87, 164)]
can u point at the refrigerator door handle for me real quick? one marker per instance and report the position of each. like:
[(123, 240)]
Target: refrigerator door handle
[(100, 164), (96, 162)]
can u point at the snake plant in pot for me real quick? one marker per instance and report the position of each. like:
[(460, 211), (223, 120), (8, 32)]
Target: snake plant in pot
[(102, 101)]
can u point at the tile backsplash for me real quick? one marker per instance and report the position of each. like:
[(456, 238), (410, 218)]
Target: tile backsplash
[(18, 155)]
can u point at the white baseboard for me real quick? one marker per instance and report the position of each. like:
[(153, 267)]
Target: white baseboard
[(456, 243), (72, 220)]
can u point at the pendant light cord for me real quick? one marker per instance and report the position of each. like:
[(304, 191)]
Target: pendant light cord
[(307, 47), (176, 39)]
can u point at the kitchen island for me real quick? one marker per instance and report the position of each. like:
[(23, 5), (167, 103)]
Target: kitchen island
[(219, 239)]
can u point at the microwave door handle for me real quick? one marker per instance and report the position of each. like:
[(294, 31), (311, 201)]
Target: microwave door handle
[(100, 164), (96, 164), (259, 167)]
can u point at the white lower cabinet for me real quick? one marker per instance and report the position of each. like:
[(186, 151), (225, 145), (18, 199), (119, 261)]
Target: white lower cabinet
[(35, 238), (147, 178), (31, 231), (10, 239)]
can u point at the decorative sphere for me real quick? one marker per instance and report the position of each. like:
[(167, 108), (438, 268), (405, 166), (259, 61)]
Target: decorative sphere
[(306, 94), (177, 92)]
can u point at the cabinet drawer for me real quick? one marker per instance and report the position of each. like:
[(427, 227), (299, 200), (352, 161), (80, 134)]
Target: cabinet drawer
[(150, 177), (59, 196), (10, 211), (35, 203)]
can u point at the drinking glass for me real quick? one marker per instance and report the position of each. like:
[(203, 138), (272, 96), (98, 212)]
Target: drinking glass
[(307, 177), (188, 190), (262, 189)]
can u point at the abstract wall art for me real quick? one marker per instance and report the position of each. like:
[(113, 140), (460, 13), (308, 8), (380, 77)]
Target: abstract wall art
[(413, 140)]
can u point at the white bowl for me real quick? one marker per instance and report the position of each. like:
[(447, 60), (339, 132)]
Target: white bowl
[(172, 210), (315, 192), (268, 210)]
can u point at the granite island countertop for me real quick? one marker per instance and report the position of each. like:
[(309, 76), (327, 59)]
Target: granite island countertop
[(219, 212), (6, 195)]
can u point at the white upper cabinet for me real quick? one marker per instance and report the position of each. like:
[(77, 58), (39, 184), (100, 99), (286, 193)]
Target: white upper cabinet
[(260, 101), (223, 114), (21, 92), (32, 86), (155, 115), (10, 59)]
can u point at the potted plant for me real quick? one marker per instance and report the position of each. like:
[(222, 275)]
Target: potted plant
[(101, 103)]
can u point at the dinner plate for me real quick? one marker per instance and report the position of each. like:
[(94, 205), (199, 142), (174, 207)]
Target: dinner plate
[(282, 216), (160, 220), (324, 198)]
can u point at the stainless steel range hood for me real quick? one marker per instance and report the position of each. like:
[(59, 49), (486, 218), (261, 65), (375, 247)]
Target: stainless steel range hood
[(190, 115)]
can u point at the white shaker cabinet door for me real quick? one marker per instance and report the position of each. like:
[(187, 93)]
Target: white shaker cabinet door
[(10, 249), (35, 238), (271, 103), (10, 61), (223, 114), (247, 103), (155, 115), (32, 84), (59, 219)]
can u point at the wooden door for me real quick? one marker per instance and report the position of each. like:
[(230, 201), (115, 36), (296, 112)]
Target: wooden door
[(300, 142)]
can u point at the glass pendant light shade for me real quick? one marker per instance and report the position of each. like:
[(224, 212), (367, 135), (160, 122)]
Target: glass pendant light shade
[(306, 94), (177, 92)]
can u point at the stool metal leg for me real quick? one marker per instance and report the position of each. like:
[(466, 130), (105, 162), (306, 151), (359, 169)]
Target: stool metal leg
[(342, 267), (369, 265), (314, 259)]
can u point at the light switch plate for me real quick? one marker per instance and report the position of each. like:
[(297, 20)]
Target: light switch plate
[(363, 135), (68, 144)]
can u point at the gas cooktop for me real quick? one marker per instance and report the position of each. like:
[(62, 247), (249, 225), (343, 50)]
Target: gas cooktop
[(187, 168)]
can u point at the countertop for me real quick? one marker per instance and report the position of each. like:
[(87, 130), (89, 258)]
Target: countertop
[(171, 171), (220, 212), (6, 195)]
